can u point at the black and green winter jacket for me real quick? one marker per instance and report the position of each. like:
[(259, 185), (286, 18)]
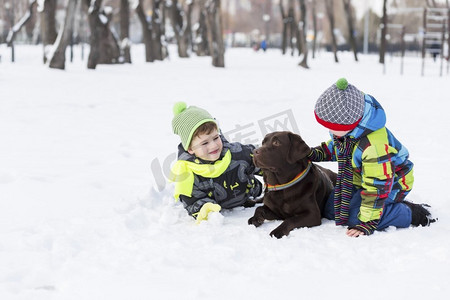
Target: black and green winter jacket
[(230, 181)]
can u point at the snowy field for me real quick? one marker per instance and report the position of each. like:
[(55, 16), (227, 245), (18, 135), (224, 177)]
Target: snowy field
[(85, 212)]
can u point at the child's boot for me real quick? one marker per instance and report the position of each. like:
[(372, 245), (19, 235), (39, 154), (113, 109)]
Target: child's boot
[(419, 214)]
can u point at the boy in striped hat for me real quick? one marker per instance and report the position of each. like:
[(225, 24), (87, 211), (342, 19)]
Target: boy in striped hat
[(374, 172), (210, 173)]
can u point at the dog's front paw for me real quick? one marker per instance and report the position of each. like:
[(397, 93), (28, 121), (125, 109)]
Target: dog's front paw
[(279, 232), (249, 203), (255, 220)]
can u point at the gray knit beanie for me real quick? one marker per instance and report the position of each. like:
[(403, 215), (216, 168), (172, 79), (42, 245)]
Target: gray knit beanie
[(187, 119), (340, 107)]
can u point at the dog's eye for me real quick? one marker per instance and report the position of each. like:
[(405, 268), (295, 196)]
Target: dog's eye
[(276, 143)]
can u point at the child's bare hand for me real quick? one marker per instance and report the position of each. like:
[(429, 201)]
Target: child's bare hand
[(354, 232)]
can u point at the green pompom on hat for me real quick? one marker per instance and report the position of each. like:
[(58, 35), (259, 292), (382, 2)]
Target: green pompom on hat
[(187, 119), (178, 108), (342, 83)]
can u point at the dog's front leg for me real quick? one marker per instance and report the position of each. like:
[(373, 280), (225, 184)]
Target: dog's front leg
[(261, 213), (294, 222)]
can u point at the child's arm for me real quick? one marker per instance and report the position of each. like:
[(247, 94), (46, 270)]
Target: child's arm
[(193, 204), (324, 152), (199, 208), (252, 168)]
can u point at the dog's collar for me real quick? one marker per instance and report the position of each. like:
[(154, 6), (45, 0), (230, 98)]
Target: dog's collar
[(298, 178)]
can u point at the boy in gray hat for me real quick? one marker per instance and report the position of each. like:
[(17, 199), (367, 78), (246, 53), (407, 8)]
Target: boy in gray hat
[(374, 172), (210, 173)]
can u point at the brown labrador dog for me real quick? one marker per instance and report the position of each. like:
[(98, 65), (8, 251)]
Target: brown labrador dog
[(296, 189)]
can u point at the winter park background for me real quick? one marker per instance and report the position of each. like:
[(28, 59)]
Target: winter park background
[(85, 212)]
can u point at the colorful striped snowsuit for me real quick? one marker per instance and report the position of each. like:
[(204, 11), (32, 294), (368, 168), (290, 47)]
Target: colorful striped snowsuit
[(382, 172)]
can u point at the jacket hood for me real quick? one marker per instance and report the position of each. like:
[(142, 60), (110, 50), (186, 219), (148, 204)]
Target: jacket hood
[(373, 118)]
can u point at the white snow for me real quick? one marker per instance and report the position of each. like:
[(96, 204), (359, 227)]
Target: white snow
[(81, 215)]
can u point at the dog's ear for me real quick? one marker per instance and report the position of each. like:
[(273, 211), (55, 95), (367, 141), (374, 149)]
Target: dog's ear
[(298, 149)]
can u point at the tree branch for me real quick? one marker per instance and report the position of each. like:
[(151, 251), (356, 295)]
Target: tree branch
[(16, 28)]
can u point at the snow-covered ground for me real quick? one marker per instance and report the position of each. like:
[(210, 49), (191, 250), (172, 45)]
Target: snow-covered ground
[(85, 212)]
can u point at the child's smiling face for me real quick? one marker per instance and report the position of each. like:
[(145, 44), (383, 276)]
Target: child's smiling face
[(207, 146)]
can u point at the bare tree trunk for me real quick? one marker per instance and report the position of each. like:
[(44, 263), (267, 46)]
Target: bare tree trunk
[(448, 29), (104, 46), (125, 30), (330, 12), (94, 39), (201, 41), (17, 27), (267, 18), (351, 34), (164, 41), (179, 24), (383, 32), (190, 5), (159, 52), (109, 40), (31, 25), (147, 32), (285, 21), (302, 27), (4, 17), (10, 16), (215, 32), (293, 28), (48, 25), (314, 18), (58, 60), (423, 40)]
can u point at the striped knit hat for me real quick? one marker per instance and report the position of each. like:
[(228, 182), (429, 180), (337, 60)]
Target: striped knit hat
[(340, 107), (186, 120)]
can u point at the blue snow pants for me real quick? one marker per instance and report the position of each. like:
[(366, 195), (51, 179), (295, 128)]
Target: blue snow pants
[(394, 213)]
